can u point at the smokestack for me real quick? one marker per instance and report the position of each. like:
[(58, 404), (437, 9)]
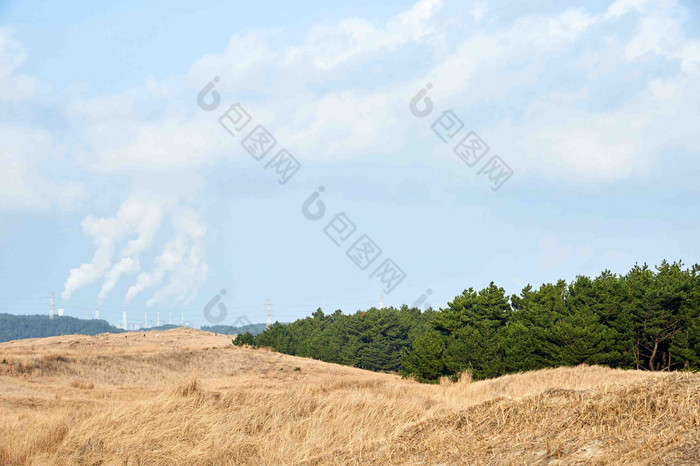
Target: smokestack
[(158, 319), (97, 313), (51, 308), (124, 320)]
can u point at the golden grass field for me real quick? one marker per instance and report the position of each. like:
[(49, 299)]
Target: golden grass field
[(189, 397)]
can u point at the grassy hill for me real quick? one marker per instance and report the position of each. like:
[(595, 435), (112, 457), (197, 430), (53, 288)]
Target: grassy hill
[(186, 396)]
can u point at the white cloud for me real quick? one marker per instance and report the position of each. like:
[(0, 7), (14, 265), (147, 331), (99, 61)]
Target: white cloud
[(25, 149), (558, 134), (166, 144), (23, 186), (118, 139), (327, 47), (347, 121), (622, 7), (13, 86), (478, 11), (12, 53)]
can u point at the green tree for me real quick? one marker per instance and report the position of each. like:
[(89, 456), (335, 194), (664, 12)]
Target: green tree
[(424, 360)]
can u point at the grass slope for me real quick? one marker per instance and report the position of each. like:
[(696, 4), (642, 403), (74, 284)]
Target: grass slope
[(189, 397)]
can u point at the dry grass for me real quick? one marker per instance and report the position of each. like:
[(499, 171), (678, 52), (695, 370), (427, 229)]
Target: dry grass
[(189, 397)]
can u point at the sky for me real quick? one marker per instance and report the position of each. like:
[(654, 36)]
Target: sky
[(421, 148)]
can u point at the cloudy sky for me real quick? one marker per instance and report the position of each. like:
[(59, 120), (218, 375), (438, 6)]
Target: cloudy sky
[(126, 181)]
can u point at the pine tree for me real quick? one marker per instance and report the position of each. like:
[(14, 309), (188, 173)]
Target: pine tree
[(424, 360)]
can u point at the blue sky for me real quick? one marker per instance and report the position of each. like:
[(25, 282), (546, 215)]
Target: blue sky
[(117, 191)]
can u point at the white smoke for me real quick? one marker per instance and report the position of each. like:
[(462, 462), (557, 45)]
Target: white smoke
[(191, 271), (134, 216), (180, 264), (169, 258), (181, 260), (126, 265), (105, 234), (144, 218)]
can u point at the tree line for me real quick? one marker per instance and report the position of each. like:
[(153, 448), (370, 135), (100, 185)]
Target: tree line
[(232, 330), (646, 319), (14, 327)]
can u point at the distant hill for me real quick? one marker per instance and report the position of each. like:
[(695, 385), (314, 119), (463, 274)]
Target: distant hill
[(14, 327), (17, 327), (230, 330), (159, 327)]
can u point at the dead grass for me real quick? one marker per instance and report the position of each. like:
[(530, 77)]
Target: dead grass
[(82, 385), (175, 399)]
